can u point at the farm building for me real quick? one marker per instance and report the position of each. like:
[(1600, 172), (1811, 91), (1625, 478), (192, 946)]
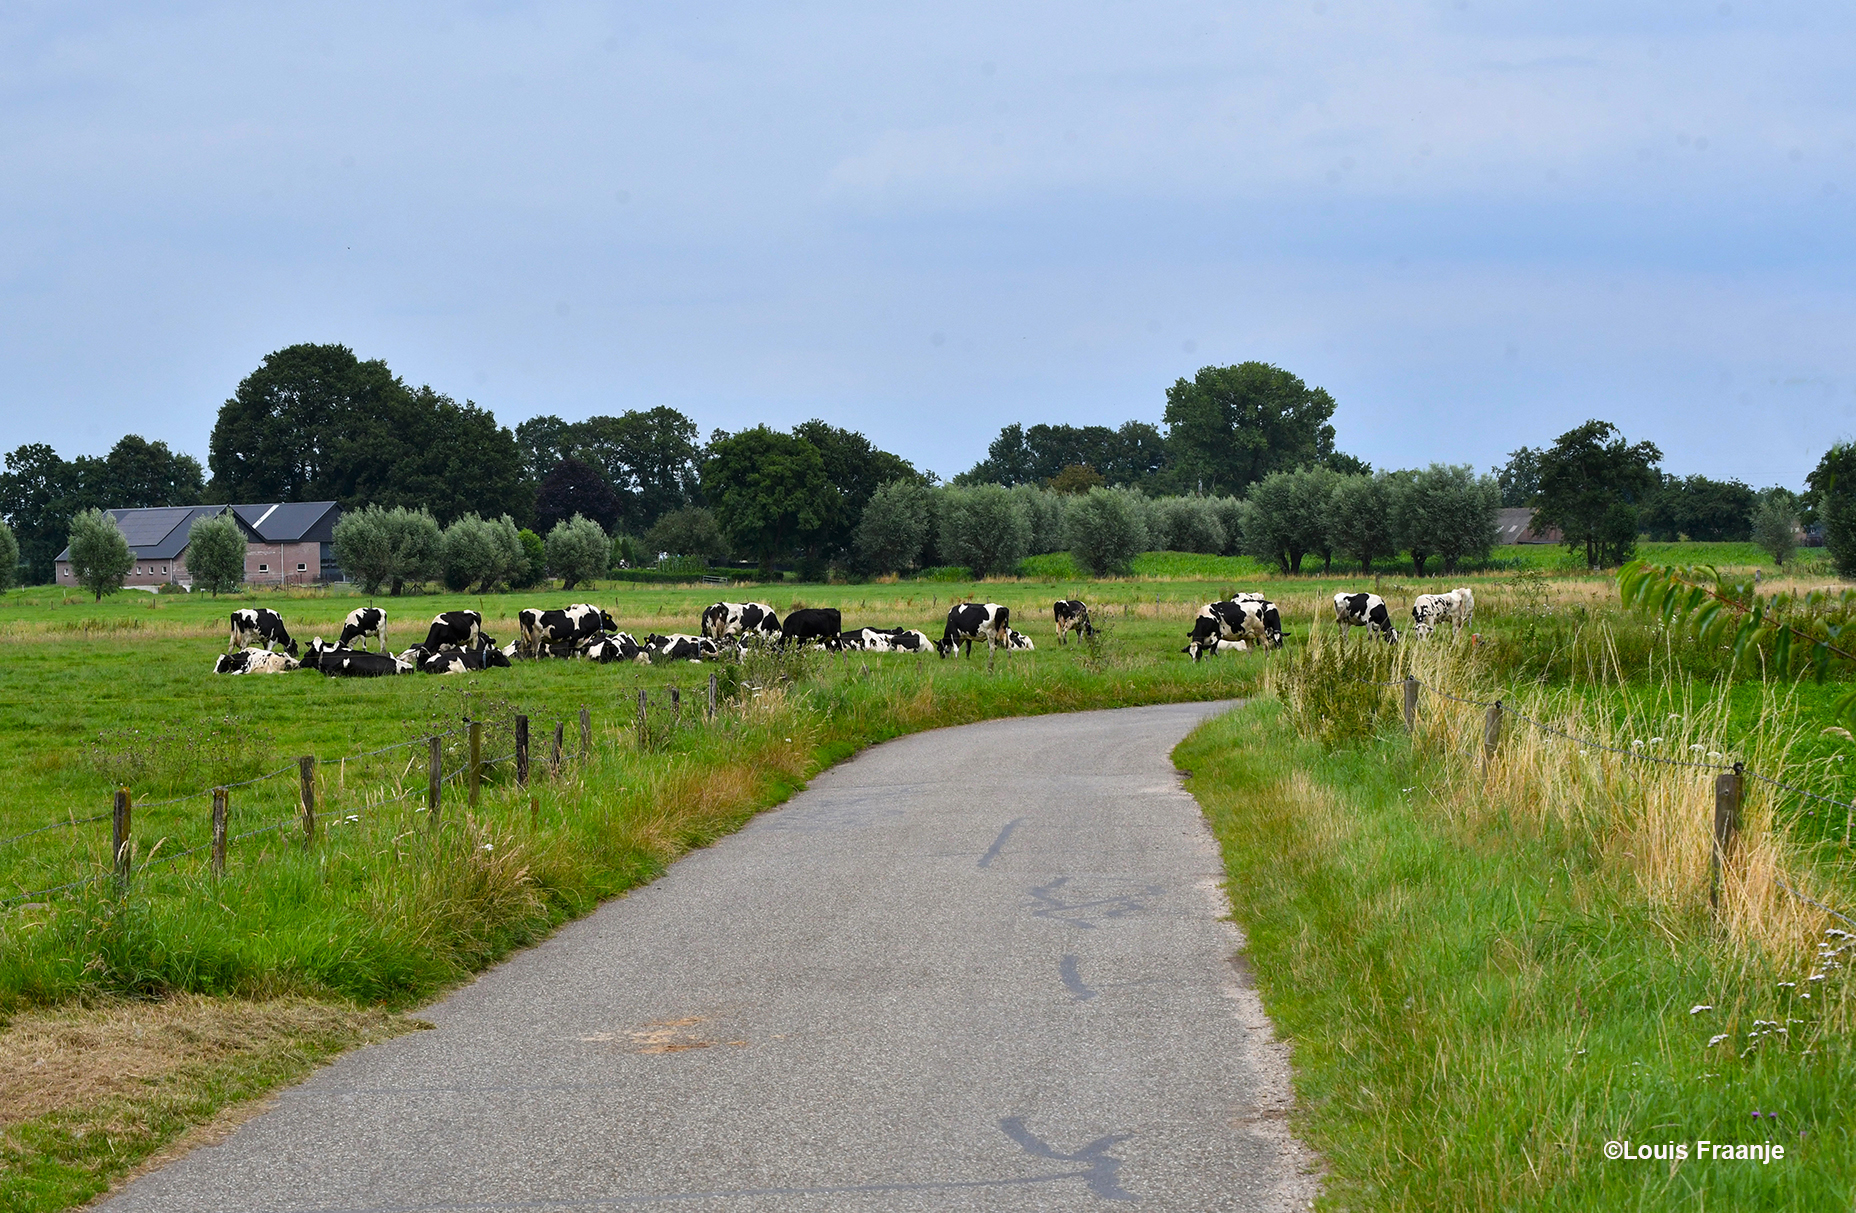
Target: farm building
[(287, 543), (1517, 526)]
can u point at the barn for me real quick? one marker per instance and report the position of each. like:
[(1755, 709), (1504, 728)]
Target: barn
[(288, 543)]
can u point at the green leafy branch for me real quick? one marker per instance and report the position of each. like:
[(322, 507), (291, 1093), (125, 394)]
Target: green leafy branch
[(1785, 633)]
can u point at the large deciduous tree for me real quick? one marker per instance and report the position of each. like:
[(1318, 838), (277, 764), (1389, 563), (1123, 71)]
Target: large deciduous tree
[(40, 492), (1832, 487), (1107, 530), (1591, 485), (855, 467), (1700, 508), (574, 487), (100, 556), (1361, 517), (896, 524), (986, 528), (769, 491), (1230, 426), (578, 551), (216, 548)]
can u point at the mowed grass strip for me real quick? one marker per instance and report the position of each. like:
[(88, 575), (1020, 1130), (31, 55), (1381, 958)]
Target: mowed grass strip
[(1476, 1010)]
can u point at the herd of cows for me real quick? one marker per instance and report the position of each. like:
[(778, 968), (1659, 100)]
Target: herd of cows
[(455, 641)]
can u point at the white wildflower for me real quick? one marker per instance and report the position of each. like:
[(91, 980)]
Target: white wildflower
[(1656, 741), (1699, 1007), (1637, 744), (1696, 749), (1675, 718), (1718, 1039), (1714, 755), (489, 846)]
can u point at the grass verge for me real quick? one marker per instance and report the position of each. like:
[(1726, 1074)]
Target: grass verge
[(1477, 1004)]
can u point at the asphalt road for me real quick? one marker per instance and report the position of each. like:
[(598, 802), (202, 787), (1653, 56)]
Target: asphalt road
[(979, 968)]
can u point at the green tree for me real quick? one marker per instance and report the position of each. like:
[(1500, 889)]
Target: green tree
[(1832, 486), (1187, 524), (649, 458), (388, 548), (1699, 507), (895, 525), (482, 552), (1107, 530), (1230, 426), (1775, 522), (1519, 478), (769, 491), (1362, 517), (1591, 484), (216, 553), (100, 556), (1285, 517), (138, 472), (1076, 479), (1134, 455), (9, 558), (577, 551), (1466, 522), (985, 528), (534, 560), (690, 531), (855, 467), (1045, 509)]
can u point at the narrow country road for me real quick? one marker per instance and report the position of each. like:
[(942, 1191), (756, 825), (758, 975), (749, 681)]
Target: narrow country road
[(979, 968)]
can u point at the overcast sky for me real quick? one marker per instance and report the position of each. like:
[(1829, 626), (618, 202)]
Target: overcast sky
[(1476, 224)]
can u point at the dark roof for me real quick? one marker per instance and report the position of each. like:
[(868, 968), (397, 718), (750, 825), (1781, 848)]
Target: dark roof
[(291, 521), (158, 532)]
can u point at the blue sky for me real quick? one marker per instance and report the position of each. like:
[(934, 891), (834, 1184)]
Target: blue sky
[(1475, 224)]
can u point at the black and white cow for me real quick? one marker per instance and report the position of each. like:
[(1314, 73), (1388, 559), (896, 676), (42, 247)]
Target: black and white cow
[(909, 640), (867, 640), (617, 647), (1429, 610), (458, 629), (1364, 611), (1018, 640), (254, 661), (813, 623), (680, 647), (1226, 621), (578, 624), (1215, 646), (1272, 618), (262, 627), (361, 623), (971, 621), (726, 619), (1071, 614), (337, 662), (459, 661)]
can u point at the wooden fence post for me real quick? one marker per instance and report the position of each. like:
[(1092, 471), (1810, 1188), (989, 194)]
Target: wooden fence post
[(434, 777), (1726, 826), (1491, 732), (521, 751), (1411, 703), (219, 832), (306, 774), (560, 736), (676, 706), (476, 760), (586, 735), (643, 708), (120, 836), (712, 697)]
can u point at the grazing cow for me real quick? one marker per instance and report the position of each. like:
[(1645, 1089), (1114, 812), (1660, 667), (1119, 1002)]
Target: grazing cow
[(459, 629), (337, 662), (1018, 640), (259, 626), (679, 647), (1364, 611), (459, 661), (726, 619), (813, 623), (1071, 614), (254, 661), (970, 621), (617, 647), (1272, 618), (1226, 621), (1215, 646), (579, 624), (361, 623), (1429, 610), (908, 640)]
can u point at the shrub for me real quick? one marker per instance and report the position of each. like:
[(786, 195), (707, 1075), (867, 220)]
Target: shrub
[(1773, 523), (1045, 510), (100, 556), (1362, 516), (216, 553), (534, 560), (1230, 514), (577, 551), (1107, 530), (478, 551), (1186, 524), (9, 558), (379, 547), (895, 526), (984, 528)]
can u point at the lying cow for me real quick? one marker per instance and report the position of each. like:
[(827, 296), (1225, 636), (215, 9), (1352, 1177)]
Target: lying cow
[(1018, 640), (1364, 611), (1226, 621), (726, 619), (970, 621), (260, 627), (813, 623), (908, 640), (617, 647), (254, 661), (1215, 646), (456, 629), (867, 640), (578, 625), (459, 661), (1071, 614), (679, 647), (1430, 610), (1272, 618), (361, 623), (337, 662)]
